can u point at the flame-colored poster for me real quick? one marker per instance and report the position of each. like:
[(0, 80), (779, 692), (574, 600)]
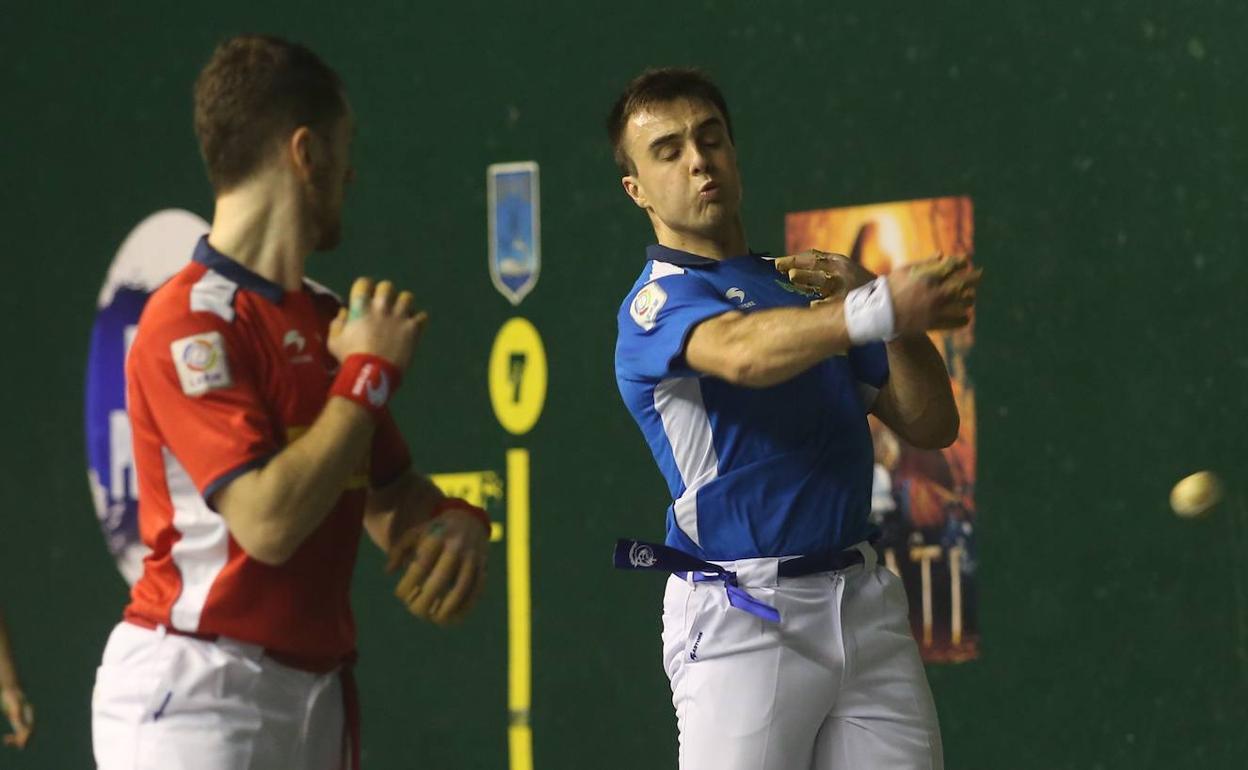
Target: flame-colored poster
[(922, 501)]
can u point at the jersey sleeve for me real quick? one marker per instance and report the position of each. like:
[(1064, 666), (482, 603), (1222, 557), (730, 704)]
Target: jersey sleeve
[(196, 384), (390, 455), (655, 322), (869, 363)]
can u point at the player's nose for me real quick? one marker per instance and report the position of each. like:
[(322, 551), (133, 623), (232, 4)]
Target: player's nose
[(699, 161)]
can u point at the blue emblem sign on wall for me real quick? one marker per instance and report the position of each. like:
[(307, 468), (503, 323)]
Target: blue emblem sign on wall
[(515, 228), (153, 251)]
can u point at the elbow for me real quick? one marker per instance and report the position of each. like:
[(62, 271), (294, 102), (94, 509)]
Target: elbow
[(742, 373), (940, 434), (270, 554), (946, 437), (258, 522), (747, 375), (272, 550), (744, 369), (265, 542)]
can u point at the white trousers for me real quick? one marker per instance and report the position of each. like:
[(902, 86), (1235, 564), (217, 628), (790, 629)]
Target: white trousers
[(838, 684), (176, 703)]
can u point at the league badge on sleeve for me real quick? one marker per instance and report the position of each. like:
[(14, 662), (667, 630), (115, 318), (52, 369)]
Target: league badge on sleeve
[(200, 361), (647, 304), (515, 228)]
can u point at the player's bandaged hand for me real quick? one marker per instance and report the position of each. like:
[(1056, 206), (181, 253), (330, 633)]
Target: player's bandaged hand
[(376, 322), (446, 564), (824, 273), (934, 294)]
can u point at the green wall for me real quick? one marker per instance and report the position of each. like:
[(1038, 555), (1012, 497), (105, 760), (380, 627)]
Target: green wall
[(1103, 144)]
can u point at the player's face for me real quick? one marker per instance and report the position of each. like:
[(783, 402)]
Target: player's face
[(686, 166), (330, 181)]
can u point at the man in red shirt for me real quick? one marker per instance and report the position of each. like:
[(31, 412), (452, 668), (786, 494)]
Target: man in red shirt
[(263, 446)]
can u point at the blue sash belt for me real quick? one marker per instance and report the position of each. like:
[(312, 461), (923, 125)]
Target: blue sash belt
[(639, 555)]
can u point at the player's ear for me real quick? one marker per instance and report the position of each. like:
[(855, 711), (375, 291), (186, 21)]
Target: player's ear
[(301, 150), (633, 188)]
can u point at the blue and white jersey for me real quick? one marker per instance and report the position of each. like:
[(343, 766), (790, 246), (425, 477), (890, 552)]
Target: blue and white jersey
[(778, 471)]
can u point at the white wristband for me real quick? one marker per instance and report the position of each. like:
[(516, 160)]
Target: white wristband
[(869, 313)]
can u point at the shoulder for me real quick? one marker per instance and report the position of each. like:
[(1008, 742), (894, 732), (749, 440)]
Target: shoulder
[(196, 301), (663, 279), (665, 285)]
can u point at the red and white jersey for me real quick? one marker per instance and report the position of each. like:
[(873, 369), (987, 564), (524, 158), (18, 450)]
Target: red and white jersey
[(225, 370)]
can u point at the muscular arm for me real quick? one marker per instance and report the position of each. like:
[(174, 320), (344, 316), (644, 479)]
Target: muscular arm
[(917, 401), (766, 348), (272, 510), (399, 506)]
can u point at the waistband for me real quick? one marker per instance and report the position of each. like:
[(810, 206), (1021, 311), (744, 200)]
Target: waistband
[(308, 664), (640, 555)]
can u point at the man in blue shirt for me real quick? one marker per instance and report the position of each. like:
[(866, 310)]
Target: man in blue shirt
[(787, 646)]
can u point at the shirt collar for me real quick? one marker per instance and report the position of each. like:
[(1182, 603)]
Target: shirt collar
[(660, 253), (217, 262)]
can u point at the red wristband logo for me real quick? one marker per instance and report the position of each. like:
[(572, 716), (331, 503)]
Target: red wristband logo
[(367, 380)]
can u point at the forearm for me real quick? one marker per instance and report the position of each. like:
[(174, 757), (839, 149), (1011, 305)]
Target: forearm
[(917, 401), (8, 669), (395, 509), (272, 510), (765, 348)]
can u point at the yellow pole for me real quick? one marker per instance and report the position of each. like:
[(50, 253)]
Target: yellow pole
[(519, 630)]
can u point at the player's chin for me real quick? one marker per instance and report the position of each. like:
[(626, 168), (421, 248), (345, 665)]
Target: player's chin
[(715, 211), (710, 220)]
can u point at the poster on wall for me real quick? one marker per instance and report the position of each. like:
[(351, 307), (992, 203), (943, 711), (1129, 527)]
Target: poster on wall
[(154, 250), (923, 501)]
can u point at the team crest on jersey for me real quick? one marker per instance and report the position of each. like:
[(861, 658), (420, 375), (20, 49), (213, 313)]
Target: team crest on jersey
[(647, 304), (200, 361), (641, 555)]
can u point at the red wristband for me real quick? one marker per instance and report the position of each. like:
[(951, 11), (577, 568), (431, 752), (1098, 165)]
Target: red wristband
[(367, 380), (459, 504)]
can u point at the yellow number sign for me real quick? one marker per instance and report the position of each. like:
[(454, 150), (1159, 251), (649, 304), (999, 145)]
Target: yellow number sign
[(518, 376)]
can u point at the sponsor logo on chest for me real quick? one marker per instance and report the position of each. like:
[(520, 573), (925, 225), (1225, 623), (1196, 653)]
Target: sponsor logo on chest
[(295, 346), (738, 295)]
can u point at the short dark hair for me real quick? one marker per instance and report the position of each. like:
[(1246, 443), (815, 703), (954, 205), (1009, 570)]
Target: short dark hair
[(253, 92), (655, 86)]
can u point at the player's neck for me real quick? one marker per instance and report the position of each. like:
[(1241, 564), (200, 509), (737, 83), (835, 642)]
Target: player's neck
[(263, 231), (728, 242)]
